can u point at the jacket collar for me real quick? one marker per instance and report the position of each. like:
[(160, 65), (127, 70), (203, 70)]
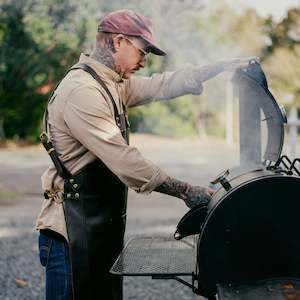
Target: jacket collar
[(100, 68)]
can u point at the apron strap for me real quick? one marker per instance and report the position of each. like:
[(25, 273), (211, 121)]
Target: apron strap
[(60, 167), (121, 121), (93, 73)]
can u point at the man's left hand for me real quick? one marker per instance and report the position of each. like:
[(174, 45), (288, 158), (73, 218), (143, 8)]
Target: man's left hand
[(238, 63)]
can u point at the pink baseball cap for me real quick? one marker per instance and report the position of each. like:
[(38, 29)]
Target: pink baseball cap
[(130, 23)]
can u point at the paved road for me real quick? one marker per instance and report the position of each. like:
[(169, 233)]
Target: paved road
[(21, 276)]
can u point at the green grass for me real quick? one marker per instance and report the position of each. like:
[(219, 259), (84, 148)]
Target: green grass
[(9, 197)]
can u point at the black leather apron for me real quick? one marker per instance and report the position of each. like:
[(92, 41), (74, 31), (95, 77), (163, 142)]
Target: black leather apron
[(95, 203)]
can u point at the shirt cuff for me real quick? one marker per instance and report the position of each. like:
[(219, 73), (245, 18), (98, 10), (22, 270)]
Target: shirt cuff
[(158, 178)]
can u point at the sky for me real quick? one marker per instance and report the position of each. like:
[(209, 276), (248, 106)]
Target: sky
[(277, 8)]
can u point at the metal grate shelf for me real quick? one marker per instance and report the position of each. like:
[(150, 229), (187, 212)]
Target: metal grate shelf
[(156, 256)]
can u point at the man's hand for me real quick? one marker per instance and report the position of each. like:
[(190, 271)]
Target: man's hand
[(204, 73), (238, 63), (197, 195), (191, 195)]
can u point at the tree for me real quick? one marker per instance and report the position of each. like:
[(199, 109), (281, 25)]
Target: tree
[(282, 57), (39, 39)]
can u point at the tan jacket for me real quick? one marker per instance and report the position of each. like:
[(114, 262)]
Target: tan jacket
[(82, 127)]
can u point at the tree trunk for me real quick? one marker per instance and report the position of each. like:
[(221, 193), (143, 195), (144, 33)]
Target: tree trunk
[(2, 132)]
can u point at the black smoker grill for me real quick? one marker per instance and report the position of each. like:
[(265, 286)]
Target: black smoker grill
[(245, 244)]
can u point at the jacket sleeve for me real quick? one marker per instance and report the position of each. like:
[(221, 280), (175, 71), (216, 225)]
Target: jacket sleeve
[(90, 121), (162, 86)]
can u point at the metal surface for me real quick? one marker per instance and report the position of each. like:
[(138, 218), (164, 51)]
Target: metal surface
[(250, 124), (222, 179), (156, 256), (255, 99), (191, 222), (271, 289), (251, 231)]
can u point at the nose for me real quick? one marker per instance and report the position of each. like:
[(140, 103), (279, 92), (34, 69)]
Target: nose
[(142, 62)]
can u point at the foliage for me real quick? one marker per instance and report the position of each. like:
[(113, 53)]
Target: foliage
[(36, 47), (227, 33), (284, 34), (283, 66), (171, 118), (282, 59), (41, 39)]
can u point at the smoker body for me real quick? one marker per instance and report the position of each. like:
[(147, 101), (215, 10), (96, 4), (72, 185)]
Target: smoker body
[(249, 232), (246, 240), (244, 245)]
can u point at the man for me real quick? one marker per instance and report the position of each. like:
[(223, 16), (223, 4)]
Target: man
[(82, 221)]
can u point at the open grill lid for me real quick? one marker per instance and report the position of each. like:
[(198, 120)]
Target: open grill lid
[(255, 99)]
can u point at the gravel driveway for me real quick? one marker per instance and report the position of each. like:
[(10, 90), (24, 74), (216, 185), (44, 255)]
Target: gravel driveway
[(21, 276)]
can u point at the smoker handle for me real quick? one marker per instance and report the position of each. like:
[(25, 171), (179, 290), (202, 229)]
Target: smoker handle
[(222, 179)]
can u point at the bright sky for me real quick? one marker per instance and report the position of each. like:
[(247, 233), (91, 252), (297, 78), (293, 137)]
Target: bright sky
[(276, 8)]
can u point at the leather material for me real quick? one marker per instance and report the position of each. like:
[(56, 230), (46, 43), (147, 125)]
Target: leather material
[(96, 225)]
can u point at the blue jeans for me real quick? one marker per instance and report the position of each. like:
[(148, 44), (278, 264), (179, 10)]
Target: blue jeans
[(54, 257)]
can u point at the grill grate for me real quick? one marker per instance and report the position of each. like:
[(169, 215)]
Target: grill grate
[(284, 164), (156, 256)]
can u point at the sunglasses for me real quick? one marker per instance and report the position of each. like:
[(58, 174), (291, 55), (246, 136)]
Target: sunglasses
[(142, 51)]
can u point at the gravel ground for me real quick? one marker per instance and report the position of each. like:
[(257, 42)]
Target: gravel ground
[(21, 276)]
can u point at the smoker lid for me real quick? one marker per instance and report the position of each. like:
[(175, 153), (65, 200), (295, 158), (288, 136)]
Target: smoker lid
[(252, 82)]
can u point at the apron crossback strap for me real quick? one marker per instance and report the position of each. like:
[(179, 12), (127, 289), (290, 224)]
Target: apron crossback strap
[(60, 167), (93, 73), (121, 121)]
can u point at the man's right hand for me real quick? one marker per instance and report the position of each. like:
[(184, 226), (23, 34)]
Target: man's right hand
[(197, 195), (191, 195)]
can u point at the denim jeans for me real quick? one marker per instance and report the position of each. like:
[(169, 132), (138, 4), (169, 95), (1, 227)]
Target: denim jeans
[(54, 257)]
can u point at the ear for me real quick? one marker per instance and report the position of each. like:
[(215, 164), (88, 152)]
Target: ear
[(117, 41)]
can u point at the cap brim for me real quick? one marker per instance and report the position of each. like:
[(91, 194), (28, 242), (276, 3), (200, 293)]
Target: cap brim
[(154, 48)]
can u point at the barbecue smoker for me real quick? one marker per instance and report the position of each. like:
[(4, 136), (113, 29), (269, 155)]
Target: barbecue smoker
[(245, 244)]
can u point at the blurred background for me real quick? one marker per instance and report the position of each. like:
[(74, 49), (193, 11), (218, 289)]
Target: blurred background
[(191, 137)]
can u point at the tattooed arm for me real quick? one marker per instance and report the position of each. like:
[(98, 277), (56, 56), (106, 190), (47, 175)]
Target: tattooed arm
[(191, 195)]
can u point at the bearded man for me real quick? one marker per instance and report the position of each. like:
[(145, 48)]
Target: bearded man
[(83, 217)]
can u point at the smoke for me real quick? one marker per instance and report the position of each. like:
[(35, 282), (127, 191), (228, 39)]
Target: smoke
[(200, 32), (191, 31)]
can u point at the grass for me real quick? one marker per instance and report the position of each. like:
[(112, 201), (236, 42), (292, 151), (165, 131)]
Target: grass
[(9, 197)]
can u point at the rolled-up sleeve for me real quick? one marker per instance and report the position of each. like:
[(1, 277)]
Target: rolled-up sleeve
[(163, 86), (90, 120)]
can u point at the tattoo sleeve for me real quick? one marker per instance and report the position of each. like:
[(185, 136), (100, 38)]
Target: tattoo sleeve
[(191, 195), (174, 187)]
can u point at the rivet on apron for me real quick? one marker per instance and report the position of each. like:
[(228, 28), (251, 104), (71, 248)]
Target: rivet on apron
[(75, 186), (71, 180), (69, 195), (76, 195)]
